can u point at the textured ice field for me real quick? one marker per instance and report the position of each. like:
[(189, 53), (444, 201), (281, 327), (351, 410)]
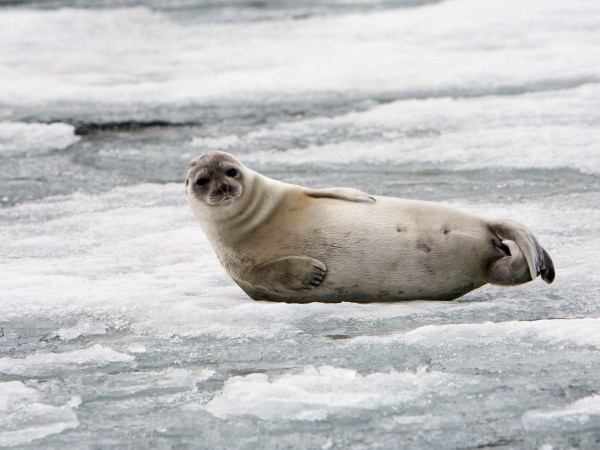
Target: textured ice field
[(118, 327)]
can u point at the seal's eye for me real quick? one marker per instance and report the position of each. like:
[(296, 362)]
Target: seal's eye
[(202, 181), (232, 172)]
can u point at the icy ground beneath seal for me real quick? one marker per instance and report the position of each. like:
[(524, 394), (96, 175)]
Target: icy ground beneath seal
[(118, 328)]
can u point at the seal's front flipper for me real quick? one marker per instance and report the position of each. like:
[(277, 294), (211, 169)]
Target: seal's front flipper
[(341, 193), (526, 258), (290, 273)]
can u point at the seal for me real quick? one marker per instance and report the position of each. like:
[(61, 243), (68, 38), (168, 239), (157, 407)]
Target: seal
[(283, 242)]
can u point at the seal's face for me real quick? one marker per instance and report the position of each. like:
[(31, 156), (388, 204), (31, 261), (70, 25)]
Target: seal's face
[(215, 179)]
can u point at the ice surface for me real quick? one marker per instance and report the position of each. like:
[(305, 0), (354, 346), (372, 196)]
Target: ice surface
[(582, 332), (83, 328), (115, 313), (23, 418), (125, 280), (577, 412), (317, 392), (135, 55), (91, 250), (41, 363), (141, 383), (442, 132), (35, 137)]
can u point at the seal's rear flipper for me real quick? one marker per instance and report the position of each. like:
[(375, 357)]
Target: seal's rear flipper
[(547, 272), (340, 193), (526, 259)]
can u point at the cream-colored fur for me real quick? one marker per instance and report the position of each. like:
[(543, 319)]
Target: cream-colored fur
[(285, 242)]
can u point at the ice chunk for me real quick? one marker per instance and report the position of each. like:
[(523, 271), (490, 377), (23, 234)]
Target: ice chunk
[(577, 332), (35, 137), (39, 363), (137, 348), (169, 379), (24, 418), (84, 327), (318, 392), (575, 413), (565, 331)]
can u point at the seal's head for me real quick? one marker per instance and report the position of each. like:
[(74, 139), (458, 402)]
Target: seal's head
[(214, 179)]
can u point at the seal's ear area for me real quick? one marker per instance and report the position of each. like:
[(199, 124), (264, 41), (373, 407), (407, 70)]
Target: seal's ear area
[(214, 159), (200, 159), (194, 162), (347, 194)]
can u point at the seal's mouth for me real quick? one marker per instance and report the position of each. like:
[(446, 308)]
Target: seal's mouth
[(225, 201), (224, 194)]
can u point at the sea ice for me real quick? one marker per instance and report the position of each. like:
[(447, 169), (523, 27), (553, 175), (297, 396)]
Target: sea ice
[(23, 418)]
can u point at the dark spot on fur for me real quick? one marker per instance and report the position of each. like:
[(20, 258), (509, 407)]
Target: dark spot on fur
[(399, 229), (446, 230), (400, 292), (423, 247)]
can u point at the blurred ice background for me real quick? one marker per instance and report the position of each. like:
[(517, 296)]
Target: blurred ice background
[(118, 327)]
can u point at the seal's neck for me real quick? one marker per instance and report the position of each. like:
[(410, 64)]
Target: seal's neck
[(227, 225)]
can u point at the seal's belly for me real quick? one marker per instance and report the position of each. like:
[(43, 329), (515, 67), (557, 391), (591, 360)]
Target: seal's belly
[(393, 249)]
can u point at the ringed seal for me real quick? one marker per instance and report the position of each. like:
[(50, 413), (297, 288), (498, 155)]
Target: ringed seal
[(283, 242)]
